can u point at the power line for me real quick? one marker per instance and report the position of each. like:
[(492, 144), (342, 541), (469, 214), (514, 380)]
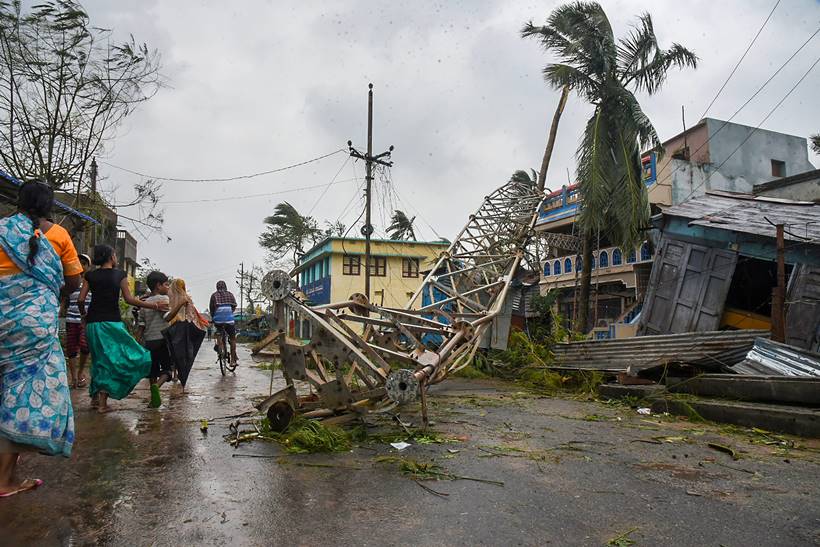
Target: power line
[(264, 194), (755, 94), (328, 186), (740, 60), (227, 179), (752, 132)]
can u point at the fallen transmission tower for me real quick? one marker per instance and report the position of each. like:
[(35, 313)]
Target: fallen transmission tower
[(366, 358)]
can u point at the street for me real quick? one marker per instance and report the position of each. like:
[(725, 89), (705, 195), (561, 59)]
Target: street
[(573, 473)]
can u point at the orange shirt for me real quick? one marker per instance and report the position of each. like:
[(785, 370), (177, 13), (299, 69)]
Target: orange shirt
[(63, 246)]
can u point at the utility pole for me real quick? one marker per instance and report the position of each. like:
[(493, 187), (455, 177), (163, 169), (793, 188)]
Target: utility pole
[(241, 288), (779, 292), (369, 159)]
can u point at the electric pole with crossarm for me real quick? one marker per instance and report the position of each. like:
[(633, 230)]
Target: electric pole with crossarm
[(369, 159)]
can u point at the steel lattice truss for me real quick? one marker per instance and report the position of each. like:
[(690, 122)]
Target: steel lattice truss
[(367, 358)]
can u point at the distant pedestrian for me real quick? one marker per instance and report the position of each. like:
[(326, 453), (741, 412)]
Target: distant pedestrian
[(152, 323), (118, 361), (222, 306), (37, 258), (76, 343)]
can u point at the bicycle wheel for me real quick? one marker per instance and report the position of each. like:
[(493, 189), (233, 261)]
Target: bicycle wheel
[(223, 363)]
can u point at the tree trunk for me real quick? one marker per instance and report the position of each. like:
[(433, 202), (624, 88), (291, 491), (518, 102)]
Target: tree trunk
[(545, 163), (586, 281)]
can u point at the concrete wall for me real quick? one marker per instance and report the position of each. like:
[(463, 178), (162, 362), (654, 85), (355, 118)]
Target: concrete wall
[(751, 164), (393, 290), (801, 188)]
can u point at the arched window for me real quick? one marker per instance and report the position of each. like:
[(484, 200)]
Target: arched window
[(645, 251), (579, 264), (594, 261), (557, 269), (603, 260), (617, 258), (546, 269), (567, 265), (631, 257)]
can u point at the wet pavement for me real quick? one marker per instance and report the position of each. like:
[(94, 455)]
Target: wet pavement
[(574, 473)]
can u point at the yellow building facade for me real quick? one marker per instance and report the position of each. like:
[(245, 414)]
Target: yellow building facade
[(334, 269)]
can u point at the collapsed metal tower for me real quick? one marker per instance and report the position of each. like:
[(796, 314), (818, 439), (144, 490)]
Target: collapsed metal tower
[(366, 358)]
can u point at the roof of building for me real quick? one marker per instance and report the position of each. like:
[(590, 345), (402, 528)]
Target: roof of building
[(57, 203), (787, 181), (756, 215)]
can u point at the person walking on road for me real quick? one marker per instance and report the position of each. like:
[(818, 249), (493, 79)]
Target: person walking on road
[(118, 361), (76, 343), (37, 259), (152, 323)]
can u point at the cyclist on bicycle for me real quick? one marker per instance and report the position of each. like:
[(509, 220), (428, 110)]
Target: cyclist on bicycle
[(222, 307)]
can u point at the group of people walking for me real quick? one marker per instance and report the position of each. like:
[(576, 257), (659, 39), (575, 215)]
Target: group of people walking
[(42, 276)]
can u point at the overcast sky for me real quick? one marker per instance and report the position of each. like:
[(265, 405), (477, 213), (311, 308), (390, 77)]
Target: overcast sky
[(254, 85)]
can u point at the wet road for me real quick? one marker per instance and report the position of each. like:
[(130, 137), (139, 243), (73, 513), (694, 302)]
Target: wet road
[(574, 473)]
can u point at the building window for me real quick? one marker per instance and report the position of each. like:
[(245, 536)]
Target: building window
[(631, 257), (557, 268), (546, 269), (409, 267), (579, 264), (567, 265), (645, 251), (327, 266), (378, 266), (617, 258), (603, 262), (778, 168), (351, 265)]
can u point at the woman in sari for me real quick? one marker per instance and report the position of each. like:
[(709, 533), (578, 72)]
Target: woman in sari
[(37, 258), (118, 361)]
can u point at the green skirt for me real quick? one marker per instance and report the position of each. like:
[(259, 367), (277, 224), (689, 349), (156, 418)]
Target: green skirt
[(118, 361)]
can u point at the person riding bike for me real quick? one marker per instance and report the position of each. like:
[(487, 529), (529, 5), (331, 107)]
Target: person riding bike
[(222, 306)]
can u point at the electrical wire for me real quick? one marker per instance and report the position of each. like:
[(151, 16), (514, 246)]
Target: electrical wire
[(755, 94), (347, 160), (264, 194), (740, 60), (227, 179)]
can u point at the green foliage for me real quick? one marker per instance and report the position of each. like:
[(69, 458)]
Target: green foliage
[(305, 436), (287, 232), (401, 227)]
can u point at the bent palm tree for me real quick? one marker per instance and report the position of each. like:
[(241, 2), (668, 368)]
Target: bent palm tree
[(602, 71), (288, 232), (401, 227)]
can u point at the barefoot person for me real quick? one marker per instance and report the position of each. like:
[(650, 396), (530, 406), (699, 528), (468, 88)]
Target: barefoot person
[(152, 323), (118, 361), (36, 259), (76, 344)]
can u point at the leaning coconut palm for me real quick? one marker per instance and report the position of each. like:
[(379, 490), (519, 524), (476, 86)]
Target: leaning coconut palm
[(401, 227), (605, 72), (288, 232), (530, 178)]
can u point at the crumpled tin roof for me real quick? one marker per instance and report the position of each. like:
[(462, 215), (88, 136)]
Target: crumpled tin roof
[(713, 350), (768, 358), (747, 214)]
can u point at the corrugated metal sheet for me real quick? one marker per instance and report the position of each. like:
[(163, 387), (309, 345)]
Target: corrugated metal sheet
[(747, 214), (770, 358), (57, 203), (709, 350)]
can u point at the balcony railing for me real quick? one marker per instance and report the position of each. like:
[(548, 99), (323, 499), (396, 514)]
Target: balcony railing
[(609, 257)]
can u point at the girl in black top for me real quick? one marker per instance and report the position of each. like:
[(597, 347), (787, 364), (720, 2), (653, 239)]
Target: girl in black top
[(118, 361)]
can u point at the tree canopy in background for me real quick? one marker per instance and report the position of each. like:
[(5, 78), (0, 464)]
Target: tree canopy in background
[(289, 234), (401, 227), (65, 87)]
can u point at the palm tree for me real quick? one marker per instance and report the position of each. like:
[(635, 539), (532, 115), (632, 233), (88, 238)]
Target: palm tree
[(605, 72), (401, 227), (288, 232), (815, 143), (530, 178)]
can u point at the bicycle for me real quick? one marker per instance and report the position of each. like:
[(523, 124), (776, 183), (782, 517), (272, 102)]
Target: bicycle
[(223, 352)]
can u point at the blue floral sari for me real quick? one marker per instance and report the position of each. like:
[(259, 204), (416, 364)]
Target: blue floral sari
[(35, 401)]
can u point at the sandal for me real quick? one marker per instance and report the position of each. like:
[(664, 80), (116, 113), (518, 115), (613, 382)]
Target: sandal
[(28, 484), (82, 382)]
